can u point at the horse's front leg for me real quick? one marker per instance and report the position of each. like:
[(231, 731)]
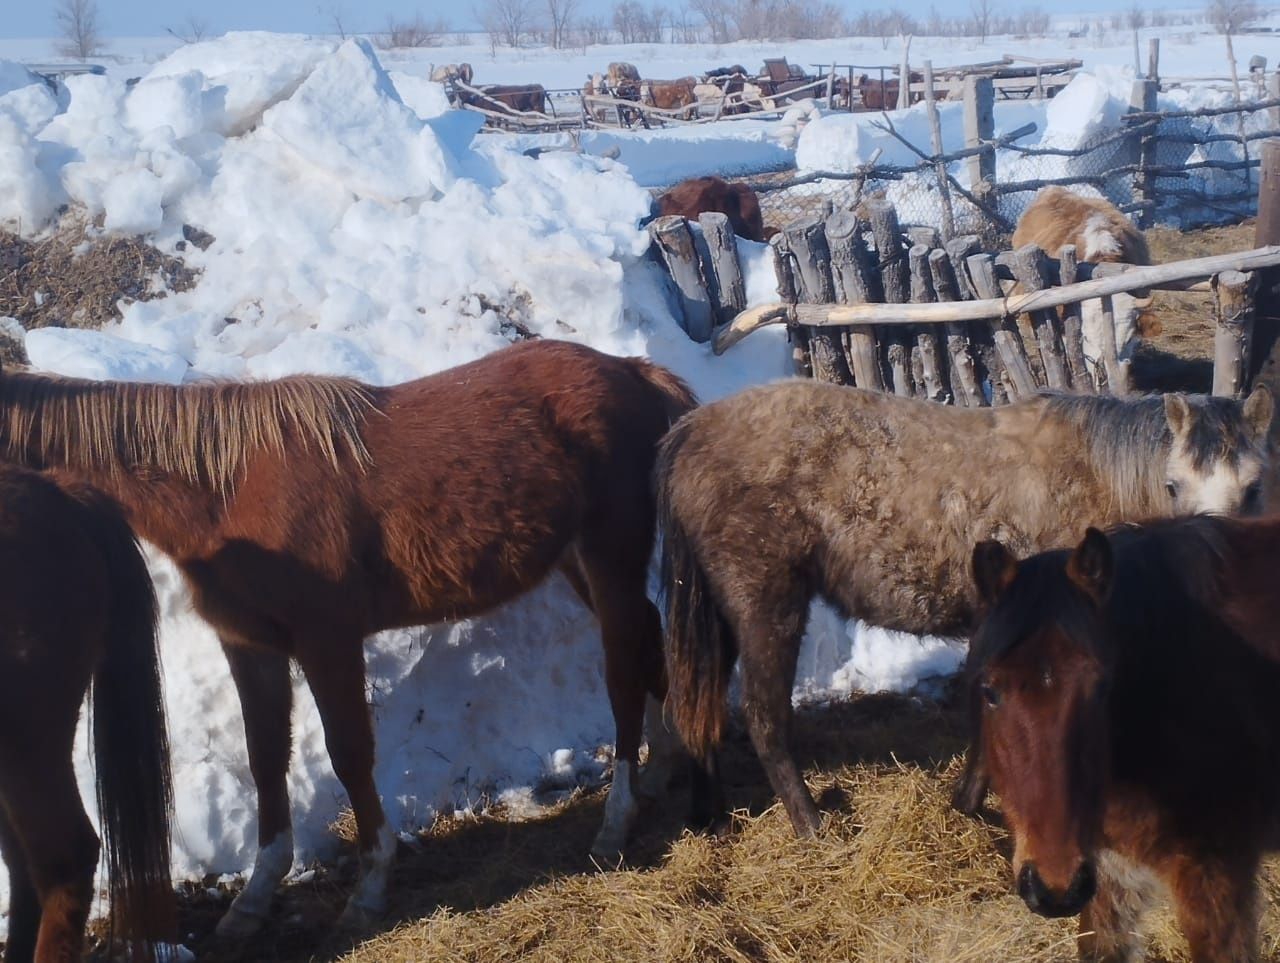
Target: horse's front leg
[(335, 671), (1216, 904), (261, 676)]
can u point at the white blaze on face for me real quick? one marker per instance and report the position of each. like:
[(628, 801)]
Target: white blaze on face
[(1217, 488)]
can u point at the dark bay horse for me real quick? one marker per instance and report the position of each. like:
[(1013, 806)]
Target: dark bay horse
[(801, 489), (308, 513), (79, 614), (1130, 694)]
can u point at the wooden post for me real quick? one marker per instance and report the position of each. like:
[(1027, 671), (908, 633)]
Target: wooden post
[(979, 127), (1117, 373), (831, 84), (988, 368), (904, 75), (964, 382), (1273, 93), (1153, 60), (808, 243), (853, 276), (895, 281), (1029, 267), (932, 373), (675, 245), (1019, 382), (1233, 294), (1143, 99), (1072, 327), (784, 269), (939, 167), (730, 294)]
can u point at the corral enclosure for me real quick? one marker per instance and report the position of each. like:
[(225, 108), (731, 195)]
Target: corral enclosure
[(321, 253)]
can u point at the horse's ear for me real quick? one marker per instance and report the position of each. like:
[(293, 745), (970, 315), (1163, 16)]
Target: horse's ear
[(993, 569), (1259, 409), (1178, 413), (1091, 565)]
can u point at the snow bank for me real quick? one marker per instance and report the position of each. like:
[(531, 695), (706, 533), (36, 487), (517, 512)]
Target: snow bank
[(360, 228)]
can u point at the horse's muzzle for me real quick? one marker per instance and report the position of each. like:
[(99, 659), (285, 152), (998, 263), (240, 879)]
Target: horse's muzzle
[(1045, 901)]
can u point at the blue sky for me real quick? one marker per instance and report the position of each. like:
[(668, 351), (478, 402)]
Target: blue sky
[(149, 18)]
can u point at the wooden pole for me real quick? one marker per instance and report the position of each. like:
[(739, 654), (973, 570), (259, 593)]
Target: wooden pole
[(987, 366), (1153, 60), (675, 245), (784, 270), (895, 282), (1018, 381), (1072, 325), (979, 127), (808, 243), (1234, 299), (853, 276), (1273, 91), (730, 291), (940, 166), (1264, 361), (1030, 268), (964, 382), (932, 373), (1143, 100), (1117, 373)]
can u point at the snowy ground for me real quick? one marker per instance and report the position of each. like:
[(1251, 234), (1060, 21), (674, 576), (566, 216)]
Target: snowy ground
[(359, 227)]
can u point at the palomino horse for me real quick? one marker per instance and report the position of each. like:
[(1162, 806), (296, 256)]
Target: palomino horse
[(79, 612), (308, 513), (1130, 701), (781, 493)]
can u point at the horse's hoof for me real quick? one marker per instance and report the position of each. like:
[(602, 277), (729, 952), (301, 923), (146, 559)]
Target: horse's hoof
[(238, 924)]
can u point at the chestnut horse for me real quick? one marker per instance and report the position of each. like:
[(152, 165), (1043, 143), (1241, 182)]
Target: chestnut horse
[(802, 489), (1130, 702), (307, 513), (79, 614)]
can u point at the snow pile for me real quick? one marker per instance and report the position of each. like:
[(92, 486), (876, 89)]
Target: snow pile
[(360, 228)]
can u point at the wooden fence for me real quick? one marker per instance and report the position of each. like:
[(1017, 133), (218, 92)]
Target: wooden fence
[(870, 305)]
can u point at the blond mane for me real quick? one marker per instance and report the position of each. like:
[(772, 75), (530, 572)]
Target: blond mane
[(204, 433)]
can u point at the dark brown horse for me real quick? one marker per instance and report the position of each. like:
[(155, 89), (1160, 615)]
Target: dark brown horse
[(698, 195), (801, 489), (308, 513), (1130, 700), (79, 612)]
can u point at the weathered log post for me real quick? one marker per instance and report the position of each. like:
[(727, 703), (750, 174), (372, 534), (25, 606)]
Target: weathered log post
[(1117, 373), (1029, 265), (1263, 363), (730, 291), (855, 281), (894, 279), (808, 243), (1072, 326), (1019, 383), (675, 245), (1233, 294), (988, 368), (964, 382), (784, 269), (933, 373), (979, 129), (939, 166), (1143, 100)]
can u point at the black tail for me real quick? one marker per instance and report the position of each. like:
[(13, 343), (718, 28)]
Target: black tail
[(130, 741), (700, 647)]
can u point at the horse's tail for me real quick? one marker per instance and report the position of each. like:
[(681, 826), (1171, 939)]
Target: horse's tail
[(130, 740), (700, 648), (677, 397)]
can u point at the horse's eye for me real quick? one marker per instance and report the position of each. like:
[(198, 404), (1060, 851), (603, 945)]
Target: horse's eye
[(1172, 489), (991, 696), (1046, 678), (1252, 494)]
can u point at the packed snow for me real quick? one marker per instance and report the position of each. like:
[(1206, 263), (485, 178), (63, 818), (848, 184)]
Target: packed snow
[(360, 227)]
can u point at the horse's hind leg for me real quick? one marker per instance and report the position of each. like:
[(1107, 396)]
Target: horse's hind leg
[(24, 904), (261, 676), (1216, 905), (334, 668), (769, 636), (46, 813)]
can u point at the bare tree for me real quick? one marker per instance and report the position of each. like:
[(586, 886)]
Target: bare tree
[(559, 17), (192, 31), (337, 19), (980, 12), (715, 13), (1136, 18), (1230, 17), (413, 33), (77, 22), (506, 21)]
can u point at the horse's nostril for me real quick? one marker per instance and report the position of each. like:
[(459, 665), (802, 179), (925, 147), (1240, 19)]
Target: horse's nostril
[(1030, 887), (1083, 885), (1047, 902)]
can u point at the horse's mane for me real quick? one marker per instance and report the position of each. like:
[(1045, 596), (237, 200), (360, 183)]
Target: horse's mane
[(203, 433), (1163, 570)]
